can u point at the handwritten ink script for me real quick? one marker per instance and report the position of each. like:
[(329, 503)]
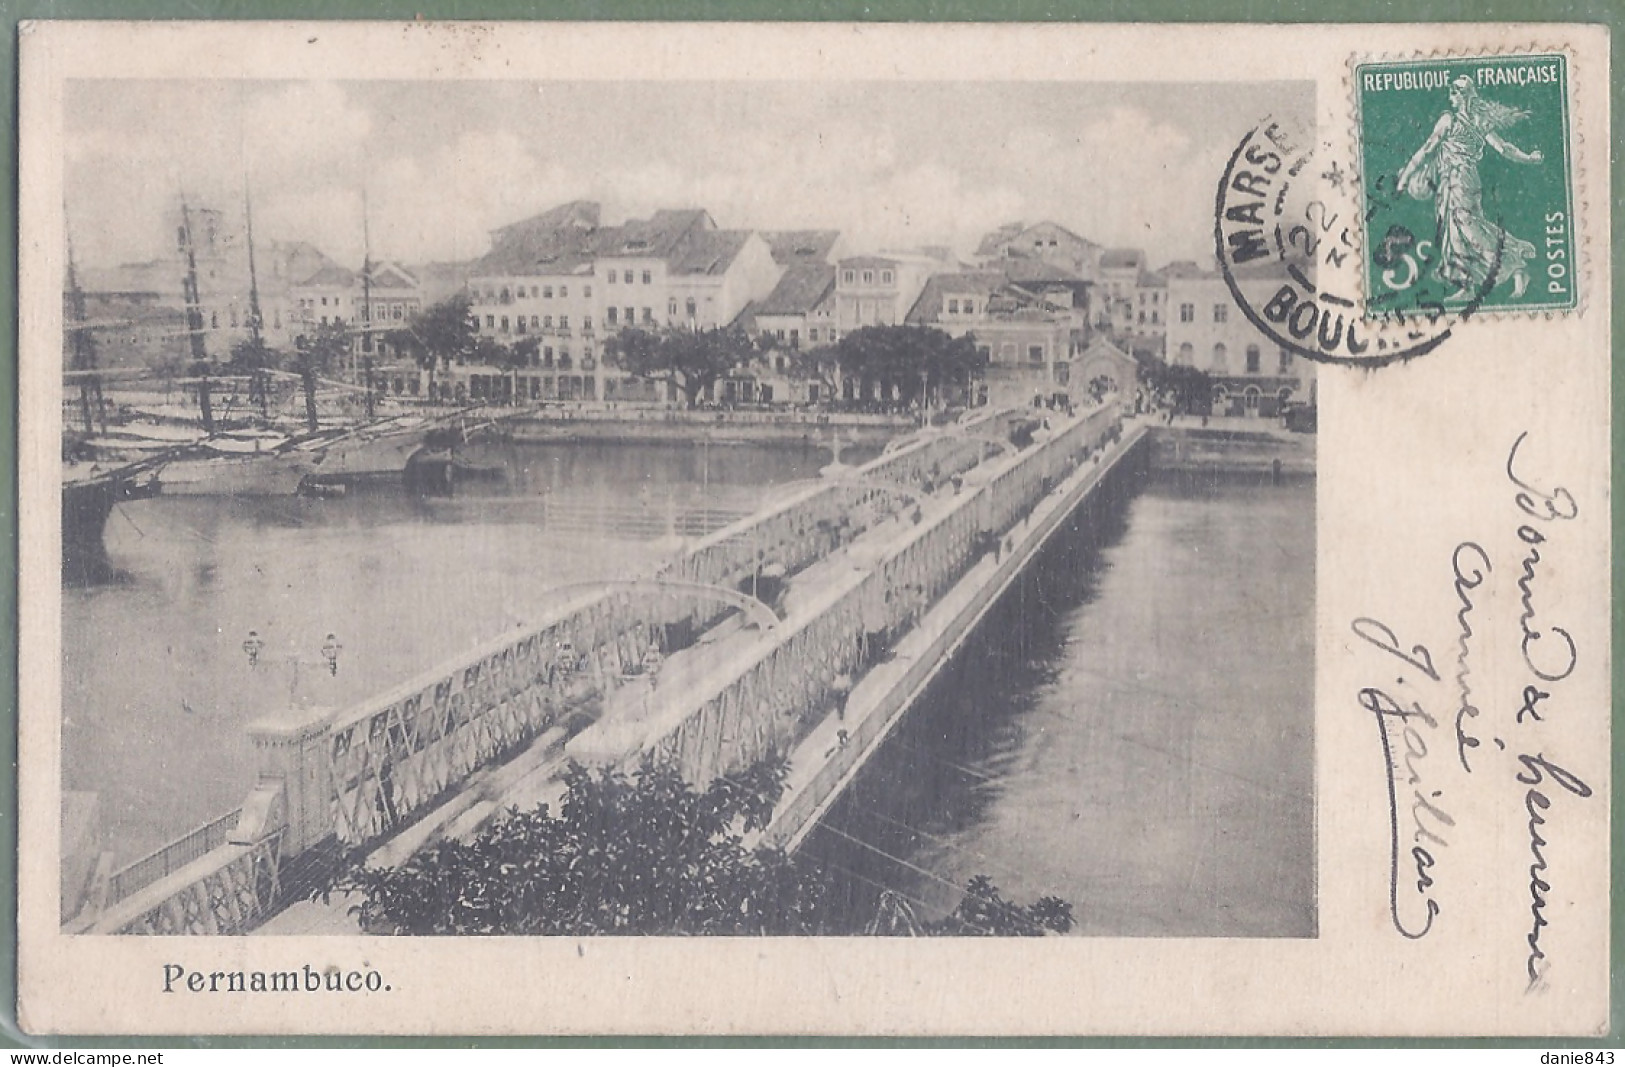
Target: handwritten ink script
[(1429, 706)]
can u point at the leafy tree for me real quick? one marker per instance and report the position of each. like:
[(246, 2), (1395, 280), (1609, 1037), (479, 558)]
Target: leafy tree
[(251, 354), (315, 354), (688, 359), (820, 365), (1188, 390), (443, 332), (984, 912), (914, 361), (644, 853), (639, 854)]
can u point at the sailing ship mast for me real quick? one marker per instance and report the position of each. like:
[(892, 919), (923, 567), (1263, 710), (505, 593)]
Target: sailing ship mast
[(194, 320), (366, 302), (84, 348), (259, 380)]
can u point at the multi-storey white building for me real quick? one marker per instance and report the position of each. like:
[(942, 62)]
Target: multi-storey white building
[(1121, 270), (1028, 340), (563, 283), (370, 306), (1251, 375), (880, 290)]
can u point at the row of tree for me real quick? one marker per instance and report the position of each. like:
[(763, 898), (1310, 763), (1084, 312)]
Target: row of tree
[(909, 364), (912, 364)]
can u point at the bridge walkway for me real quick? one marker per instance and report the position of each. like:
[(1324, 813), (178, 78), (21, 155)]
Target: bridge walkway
[(632, 715)]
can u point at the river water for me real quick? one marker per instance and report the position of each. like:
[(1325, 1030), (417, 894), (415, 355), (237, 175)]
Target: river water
[(1131, 730), (157, 686)]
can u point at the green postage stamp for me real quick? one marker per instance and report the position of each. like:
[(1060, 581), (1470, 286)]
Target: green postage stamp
[(1469, 197)]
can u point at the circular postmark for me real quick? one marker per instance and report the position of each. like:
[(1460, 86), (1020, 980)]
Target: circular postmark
[(1285, 232)]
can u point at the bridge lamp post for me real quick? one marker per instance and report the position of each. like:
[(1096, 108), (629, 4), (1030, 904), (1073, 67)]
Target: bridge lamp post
[(330, 653)]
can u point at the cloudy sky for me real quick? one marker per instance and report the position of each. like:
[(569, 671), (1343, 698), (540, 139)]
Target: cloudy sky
[(890, 164)]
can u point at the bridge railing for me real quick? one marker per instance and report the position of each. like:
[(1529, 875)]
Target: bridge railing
[(228, 890), (171, 857), (390, 757), (806, 526), (774, 700)]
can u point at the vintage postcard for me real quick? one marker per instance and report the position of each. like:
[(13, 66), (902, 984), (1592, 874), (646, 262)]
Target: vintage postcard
[(814, 529)]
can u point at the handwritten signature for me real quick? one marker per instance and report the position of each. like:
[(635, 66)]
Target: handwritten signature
[(1550, 654), (1541, 506)]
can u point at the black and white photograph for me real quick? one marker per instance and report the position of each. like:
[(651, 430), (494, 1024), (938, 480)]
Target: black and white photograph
[(509, 502), (827, 525)]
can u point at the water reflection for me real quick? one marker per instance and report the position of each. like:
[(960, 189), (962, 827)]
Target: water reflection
[(1131, 730)]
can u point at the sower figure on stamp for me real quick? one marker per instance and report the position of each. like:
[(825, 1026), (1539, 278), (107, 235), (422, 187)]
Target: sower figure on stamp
[(1445, 169)]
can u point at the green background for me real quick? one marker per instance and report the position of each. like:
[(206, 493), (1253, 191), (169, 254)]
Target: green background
[(1517, 196), (1607, 12)]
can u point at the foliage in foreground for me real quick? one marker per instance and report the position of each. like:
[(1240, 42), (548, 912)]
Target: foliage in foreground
[(643, 853)]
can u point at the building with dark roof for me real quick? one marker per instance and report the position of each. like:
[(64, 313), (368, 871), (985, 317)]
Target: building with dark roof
[(1123, 259), (993, 244), (1046, 242), (791, 247), (1027, 335), (562, 282), (797, 315)]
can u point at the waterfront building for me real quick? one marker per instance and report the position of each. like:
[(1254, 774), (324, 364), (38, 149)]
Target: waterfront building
[(1059, 289), (326, 298), (371, 307), (1102, 367), (1027, 334), (715, 274), (537, 282), (1251, 376), (565, 282), (139, 308), (880, 290), (390, 298), (797, 316), (1150, 301), (133, 325)]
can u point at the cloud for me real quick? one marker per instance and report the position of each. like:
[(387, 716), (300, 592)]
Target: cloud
[(444, 205), (304, 129), (439, 178), (1143, 183)]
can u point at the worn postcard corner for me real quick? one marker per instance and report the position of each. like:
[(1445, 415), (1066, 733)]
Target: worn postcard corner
[(996, 529)]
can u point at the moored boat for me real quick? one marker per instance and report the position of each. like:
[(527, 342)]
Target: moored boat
[(266, 474)]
